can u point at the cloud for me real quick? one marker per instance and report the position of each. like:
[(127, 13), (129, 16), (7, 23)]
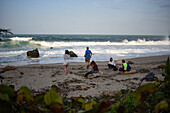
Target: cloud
[(96, 4), (165, 5), (162, 3)]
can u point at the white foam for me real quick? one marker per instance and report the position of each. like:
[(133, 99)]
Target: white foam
[(11, 53), (124, 42), (21, 38)]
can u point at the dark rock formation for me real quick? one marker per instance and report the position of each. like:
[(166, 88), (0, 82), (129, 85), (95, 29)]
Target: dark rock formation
[(33, 54), (130, 62), (72, 54)]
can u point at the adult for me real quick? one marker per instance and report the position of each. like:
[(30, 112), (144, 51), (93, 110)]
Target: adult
[(66, 61), (111, 64), (88, 55)]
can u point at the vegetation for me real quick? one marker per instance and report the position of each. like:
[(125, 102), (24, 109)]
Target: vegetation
[(149, 98)]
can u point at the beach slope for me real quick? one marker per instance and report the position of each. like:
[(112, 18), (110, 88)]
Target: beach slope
[(39, 78)]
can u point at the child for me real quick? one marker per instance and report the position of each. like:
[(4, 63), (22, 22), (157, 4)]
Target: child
[(125, 66), (66, 61), (93, 70)]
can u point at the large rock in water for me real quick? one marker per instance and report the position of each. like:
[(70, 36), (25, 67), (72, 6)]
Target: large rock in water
[(33, 54), (72, 54)]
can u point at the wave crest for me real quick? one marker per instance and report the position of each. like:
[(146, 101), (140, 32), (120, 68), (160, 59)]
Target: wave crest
[(21, 38)]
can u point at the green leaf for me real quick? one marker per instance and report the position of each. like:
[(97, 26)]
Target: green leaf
[(7, 90), (150, 87), (4, 97), (39, 99), (161, 105), (56, 107), (167, 70), (72, 111), (5, 107), (159, 94), (90, 105), (52, 97), (79, 99), (26, 92)]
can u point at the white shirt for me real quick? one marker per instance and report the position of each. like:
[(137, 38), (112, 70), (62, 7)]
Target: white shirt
[(66, 59), (112, 63)]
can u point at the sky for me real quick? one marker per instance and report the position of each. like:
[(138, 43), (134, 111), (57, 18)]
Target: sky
[(117, 17)]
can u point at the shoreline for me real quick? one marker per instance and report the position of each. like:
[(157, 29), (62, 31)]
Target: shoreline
[(136, 59), (40, 77)]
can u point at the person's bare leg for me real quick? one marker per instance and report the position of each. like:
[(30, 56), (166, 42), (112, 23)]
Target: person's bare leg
[(87, 64), (67, 69)]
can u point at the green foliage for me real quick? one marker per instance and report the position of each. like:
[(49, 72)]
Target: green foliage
[(7, 90), (167, 70), (90, 105), (4, 97), (161, 105), (115, 107), (52, 97), (149, 98), (24, 95), (162, 66), (150, 88)]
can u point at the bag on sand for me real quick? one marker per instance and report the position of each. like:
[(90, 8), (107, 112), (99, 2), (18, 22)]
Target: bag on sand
[(114, 68), (128, 67), (150, 76)]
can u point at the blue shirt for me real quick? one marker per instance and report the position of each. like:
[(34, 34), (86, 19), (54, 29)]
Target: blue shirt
[(88, 53)]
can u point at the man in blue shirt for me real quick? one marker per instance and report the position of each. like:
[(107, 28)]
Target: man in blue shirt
[(88, 55)]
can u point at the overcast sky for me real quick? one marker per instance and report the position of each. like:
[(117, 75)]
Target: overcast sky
[(119, 17)]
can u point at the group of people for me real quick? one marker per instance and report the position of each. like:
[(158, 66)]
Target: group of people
[(88, 54)]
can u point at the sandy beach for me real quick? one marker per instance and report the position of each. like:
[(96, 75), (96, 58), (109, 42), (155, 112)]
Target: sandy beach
[(41, 77)]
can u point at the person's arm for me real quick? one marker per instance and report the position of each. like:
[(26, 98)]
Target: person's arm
[(90, 54)]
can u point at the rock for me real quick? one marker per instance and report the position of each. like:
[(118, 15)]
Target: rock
[(130, 62), (10, 68), (51, 47), (72, 54), (2, 70), (33, 54)]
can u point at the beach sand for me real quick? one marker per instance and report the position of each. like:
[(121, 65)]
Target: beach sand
[(40, 77)]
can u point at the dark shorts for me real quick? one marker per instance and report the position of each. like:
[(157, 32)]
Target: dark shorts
[(87, 59)]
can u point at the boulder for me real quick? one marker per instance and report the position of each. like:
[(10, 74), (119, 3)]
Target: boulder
[(33, 54), (72, 54), (7, 68), (130, 62)]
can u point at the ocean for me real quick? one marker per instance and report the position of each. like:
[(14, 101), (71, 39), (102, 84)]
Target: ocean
[(13, 48)]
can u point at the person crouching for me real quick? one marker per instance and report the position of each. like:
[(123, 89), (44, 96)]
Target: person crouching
[(93, 70)]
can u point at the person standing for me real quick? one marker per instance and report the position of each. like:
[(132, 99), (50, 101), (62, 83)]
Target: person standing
[(88, 55), (66, 61)]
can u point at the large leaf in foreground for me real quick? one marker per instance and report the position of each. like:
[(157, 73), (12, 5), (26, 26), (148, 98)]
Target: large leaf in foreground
[(52, 97), (150, 88), (160, 106), (7, 90)]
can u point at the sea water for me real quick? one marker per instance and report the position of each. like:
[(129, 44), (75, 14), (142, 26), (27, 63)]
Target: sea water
[(13, 49)]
